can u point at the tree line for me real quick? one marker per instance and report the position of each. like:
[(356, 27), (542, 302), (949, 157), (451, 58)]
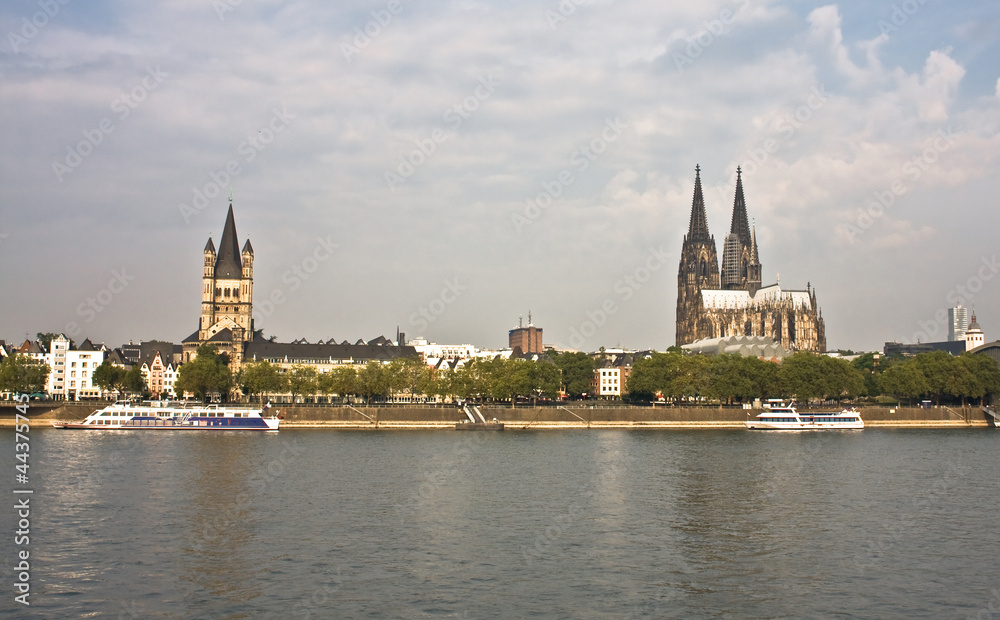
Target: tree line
[(673, 376), (806, 376)]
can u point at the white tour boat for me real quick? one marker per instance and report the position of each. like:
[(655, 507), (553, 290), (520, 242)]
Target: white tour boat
[(176, 416), (786, 418)]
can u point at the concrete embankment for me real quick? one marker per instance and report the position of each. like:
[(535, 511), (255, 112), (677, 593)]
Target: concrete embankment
[(570, 416), (602, 417)]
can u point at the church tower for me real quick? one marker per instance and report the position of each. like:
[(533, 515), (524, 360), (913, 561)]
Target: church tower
[(227, 292), (699, 267), (739, 256)]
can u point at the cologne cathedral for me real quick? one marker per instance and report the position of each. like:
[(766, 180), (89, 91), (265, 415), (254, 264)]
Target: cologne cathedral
[(714, 303)]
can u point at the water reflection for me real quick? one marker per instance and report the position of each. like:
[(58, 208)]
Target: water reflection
[(218, 521)]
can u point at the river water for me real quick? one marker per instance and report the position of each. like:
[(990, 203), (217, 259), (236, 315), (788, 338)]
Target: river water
[(518, 524)]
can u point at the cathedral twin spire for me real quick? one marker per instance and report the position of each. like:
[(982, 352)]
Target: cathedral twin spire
[(740, 259)]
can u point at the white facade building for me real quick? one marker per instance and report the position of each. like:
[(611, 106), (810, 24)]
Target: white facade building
[(974, 336), (71, 371), (610, 382), (434, 351)]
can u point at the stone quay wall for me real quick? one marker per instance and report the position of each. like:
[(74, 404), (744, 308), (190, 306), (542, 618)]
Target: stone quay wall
[(571, 415)]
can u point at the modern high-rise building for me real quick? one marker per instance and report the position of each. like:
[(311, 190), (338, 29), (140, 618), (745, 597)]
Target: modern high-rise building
[(958, 322)]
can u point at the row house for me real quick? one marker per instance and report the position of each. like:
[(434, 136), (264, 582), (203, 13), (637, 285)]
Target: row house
[(611, 373), (159, 374)]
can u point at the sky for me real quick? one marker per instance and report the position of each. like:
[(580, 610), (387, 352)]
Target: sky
[(446, 167)]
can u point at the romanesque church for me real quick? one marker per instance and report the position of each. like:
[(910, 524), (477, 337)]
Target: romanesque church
[(226, 296), (714, 303)]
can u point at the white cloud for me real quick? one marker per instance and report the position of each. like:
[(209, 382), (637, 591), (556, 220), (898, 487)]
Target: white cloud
[(816, 113)]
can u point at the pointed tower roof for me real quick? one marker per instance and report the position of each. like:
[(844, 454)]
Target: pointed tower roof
[(247, 248), (228, 264), (210, 247), (698, 228), (754, 257), (740, 226)]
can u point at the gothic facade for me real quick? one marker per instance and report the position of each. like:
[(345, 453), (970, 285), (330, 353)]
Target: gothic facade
[(226, 296), (714, 302)]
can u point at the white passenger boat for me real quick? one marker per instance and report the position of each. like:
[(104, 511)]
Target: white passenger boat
[(177, 416), (787, 418)]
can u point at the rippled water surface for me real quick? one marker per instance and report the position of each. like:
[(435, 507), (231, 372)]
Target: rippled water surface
[(545, 524)]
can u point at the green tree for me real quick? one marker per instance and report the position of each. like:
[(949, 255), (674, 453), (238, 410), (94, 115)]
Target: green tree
[(730, 378), (807, 375), (260, 377), (983, 376), (651, 375), (533, 379), (342, 381), (577, 372), (903, 380), (22, 374), (301, 380), (204, 375), (691, 377), (109, 377), (133, 382), (939, 369), (801, 376), (409, 375), (373, 381)]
